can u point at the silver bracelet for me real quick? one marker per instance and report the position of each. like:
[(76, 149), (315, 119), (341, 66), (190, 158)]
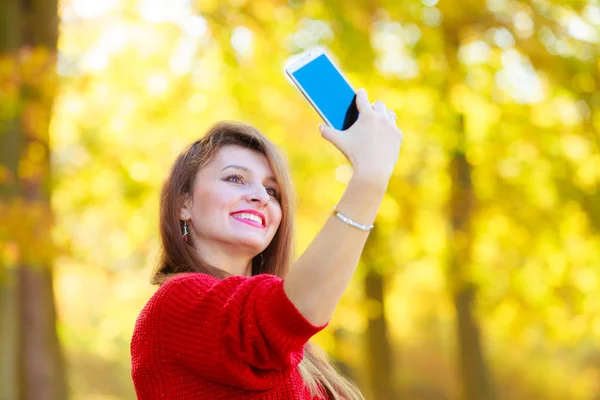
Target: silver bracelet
[(350, 221)]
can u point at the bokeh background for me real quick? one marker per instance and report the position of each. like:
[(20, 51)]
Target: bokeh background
[(481, 279)]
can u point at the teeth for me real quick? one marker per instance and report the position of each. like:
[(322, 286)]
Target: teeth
[(250, 217)]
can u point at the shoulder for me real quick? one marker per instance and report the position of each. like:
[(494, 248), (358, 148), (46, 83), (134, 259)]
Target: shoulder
[(193, 293)]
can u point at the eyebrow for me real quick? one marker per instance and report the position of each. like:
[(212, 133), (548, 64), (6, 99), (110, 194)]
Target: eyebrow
[(269, 178)]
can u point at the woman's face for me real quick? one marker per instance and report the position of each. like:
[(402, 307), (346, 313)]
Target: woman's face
[(234, 204)]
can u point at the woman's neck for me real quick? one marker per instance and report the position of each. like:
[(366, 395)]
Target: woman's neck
[(236, 265)]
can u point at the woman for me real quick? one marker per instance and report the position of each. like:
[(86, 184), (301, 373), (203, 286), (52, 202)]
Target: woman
[(228, 320)]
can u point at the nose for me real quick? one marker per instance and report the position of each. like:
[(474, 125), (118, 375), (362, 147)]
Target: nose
[(259, 194)]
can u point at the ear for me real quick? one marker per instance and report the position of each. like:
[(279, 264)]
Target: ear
[(185, 210)]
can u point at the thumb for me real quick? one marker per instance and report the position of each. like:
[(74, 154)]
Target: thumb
[(330, 134), (362, 101)]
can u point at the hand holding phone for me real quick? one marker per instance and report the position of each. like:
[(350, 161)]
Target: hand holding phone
[(366, 134), (373, 143)]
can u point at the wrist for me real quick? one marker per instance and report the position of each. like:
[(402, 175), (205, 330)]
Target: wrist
[(361, 199), (370, 180)]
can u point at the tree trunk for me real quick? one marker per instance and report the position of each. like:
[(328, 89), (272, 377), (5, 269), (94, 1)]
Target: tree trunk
[(9, 335), (9, 189), (474, 377), (31, 366), (42, 365), (473, 372), (378, 350)]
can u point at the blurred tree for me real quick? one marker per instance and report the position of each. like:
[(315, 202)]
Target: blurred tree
[(475, 382), (474, 375), (379, 355), (31, 365)]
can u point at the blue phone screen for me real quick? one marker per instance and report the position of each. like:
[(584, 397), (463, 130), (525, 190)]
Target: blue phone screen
[(329, 91)]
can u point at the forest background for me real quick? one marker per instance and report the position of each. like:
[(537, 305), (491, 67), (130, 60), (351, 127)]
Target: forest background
[(481, 279)]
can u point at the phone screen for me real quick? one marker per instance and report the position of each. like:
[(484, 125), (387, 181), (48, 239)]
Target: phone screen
[(328, 91)]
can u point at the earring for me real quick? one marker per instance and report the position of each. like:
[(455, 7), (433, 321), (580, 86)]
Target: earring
[(262, 260), (185, 232)]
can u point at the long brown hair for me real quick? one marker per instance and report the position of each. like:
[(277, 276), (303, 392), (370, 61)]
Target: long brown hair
[(178, 256)]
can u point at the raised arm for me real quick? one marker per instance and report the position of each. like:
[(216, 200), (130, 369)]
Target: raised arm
[(319, 277)]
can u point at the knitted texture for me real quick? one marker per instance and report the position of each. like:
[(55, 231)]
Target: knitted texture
[(199, 337)]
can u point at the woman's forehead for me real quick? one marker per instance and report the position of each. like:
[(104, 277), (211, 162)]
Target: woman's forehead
[(240, 156)]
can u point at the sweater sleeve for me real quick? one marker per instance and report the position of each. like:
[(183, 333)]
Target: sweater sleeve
[(240, 331)]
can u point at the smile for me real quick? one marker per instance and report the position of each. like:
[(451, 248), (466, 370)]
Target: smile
[(248, 222)]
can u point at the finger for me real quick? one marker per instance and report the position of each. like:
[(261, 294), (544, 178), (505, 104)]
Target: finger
[(391, 115), (379, 107), (330, 134), (362, 101)]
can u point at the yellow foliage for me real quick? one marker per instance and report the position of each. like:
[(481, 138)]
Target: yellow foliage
[(141, 80)]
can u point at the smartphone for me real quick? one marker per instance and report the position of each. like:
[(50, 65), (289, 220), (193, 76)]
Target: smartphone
[(325, 87)]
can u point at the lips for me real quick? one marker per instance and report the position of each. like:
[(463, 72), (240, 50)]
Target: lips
[(249, 222), (253, 212)]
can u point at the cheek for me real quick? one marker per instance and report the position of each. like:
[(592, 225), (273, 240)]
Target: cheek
[(209, 203), (277, 217)]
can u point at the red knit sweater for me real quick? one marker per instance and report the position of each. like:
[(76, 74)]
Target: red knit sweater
[(199, 337)]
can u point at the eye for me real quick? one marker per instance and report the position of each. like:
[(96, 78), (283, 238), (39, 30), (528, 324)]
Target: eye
[(240, 180), (273, 192), (235, 179)]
